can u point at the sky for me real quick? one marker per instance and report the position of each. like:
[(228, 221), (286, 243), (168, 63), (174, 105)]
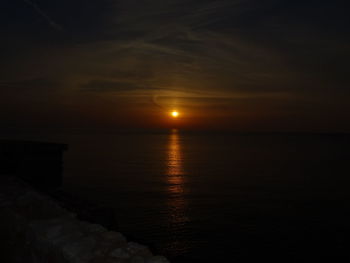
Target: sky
[(240, 65)]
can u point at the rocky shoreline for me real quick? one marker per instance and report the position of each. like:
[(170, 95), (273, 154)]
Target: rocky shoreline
[(38, 228)]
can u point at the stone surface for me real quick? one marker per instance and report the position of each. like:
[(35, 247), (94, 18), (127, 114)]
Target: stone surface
[(35, 229), (157, 259)]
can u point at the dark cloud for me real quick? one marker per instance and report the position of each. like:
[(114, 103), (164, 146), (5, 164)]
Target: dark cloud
[(51, 22), (31, 84), (110, 86), (228, 54)]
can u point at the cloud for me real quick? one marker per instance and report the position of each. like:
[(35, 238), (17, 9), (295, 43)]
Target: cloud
[(110, 86), (31, 84), (194, 53), (51, 22)]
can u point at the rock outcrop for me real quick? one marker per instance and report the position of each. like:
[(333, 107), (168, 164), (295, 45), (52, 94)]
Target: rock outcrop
[(35, 229)]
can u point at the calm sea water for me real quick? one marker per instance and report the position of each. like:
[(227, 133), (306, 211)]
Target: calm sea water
[(216, 197)]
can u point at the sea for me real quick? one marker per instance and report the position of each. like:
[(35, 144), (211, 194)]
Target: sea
[(219, 197)]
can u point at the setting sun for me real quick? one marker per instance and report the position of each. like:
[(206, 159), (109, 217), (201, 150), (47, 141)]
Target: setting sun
[(175, 114)]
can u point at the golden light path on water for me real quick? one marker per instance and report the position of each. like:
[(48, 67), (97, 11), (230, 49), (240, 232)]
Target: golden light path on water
[(176, 191), (175, 170)]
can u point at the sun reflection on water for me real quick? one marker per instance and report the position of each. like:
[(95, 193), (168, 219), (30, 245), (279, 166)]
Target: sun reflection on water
[(175, 180), (175, 170)]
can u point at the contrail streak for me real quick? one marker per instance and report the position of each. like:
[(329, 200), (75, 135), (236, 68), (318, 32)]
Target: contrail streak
[(52, 23)]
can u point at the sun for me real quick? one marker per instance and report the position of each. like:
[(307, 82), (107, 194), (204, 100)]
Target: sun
[(174, 114)]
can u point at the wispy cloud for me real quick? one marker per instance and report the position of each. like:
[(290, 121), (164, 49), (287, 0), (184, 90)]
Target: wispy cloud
[(31, 84), (51, 22), (110, 86)]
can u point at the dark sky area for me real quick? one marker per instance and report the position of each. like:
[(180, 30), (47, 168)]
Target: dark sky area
[(242, 65)]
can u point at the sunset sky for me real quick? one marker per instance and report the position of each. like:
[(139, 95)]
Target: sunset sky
[(241, 65)]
